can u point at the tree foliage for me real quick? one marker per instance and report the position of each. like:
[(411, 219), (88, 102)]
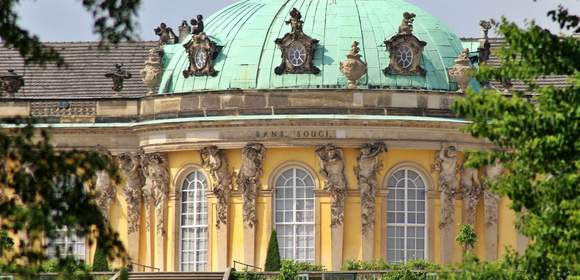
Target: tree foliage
[(466, 237), (538, 141), (273, 254), (113, 21), (45, 190), (100, 262)]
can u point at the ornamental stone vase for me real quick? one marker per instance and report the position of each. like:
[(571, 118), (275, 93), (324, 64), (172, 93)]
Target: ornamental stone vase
[(461, 71), (353, 67), (151, 73)]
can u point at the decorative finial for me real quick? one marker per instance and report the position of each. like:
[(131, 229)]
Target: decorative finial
[(151, 73), (295, 21), (184, 30), (197, 24), (166, 35), (461, 71), (118, 75), (407, 24), (484, 49), (11, 82), (353, 67)]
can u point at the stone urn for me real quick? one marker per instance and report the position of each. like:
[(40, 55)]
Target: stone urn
[(462, 71), (353, 67), (151, 73)]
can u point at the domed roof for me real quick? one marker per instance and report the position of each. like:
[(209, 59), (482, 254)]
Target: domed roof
[(247, 31)]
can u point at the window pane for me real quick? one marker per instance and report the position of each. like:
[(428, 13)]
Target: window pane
[(193, 255), (295, 225), (405, 216)]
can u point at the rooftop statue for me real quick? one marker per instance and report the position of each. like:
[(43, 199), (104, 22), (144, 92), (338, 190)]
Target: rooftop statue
[(197, 25), (184, 30), (166, 35), (407, 24), (118, 75), (295, 21)]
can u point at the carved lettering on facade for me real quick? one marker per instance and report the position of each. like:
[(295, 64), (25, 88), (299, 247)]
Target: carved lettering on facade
[(366, 171), (332, 170), (215, 163), (272, 134), (248, 179)]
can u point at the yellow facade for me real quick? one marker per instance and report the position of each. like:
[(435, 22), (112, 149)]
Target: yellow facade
[(182, 162)]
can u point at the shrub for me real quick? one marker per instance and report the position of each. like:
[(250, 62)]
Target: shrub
[(273, 255), (124, 274), (466, 237), (289, 269), (100, 262)]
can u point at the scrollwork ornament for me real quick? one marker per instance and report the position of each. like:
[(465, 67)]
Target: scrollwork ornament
[(472, 191), (332, 170), (248, 179), (215, 163), (368, 165)]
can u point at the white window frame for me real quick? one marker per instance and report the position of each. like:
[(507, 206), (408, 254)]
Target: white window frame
[(295, 224), (406, 224), (195, 224), (69, 242)]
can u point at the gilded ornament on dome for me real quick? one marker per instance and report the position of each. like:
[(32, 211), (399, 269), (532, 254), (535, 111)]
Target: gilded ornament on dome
[(405, 50), (297, 48)]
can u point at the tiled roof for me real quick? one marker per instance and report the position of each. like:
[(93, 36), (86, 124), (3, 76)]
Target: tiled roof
[(85, 76)]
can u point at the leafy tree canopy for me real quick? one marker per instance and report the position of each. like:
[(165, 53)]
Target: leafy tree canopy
[(113, 21), (538, 141), (44, 190)]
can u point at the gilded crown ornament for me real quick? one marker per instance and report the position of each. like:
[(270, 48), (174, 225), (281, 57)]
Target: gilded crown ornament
[(353, 67)]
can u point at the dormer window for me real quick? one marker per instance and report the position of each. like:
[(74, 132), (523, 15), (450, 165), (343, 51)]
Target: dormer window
[(297, 49), (405, 50)]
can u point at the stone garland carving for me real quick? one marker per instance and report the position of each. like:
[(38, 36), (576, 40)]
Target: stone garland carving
[(446, 165), (332, 169), (471, 192), (366, 173), (130, 164), (297, 49), (353, 67), (461, 71), (166, 35), (151, 73), (490, 199), (104, 187), (201, 51), (184, 30), (405, 50), (248, 179), (156, 188), (118, 75), (215, 163)]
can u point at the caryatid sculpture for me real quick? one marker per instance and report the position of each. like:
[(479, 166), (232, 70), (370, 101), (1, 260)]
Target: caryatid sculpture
[(104, 187), (156, 189), (366, 171), (332, 169), (490, 199), (215, 163), (446, 166), (249, 178), (471, 192), (130, 164)]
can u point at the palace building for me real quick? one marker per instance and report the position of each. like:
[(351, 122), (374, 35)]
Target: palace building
[(329, 121)]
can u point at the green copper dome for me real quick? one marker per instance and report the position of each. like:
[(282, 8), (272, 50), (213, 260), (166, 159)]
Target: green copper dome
[(247, 31)]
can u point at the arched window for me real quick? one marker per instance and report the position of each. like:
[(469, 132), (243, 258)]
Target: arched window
[(406, 203), (67, 244), (193, 226), (294, 217)]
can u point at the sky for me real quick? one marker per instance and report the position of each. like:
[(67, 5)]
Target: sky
[(66, 20)]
